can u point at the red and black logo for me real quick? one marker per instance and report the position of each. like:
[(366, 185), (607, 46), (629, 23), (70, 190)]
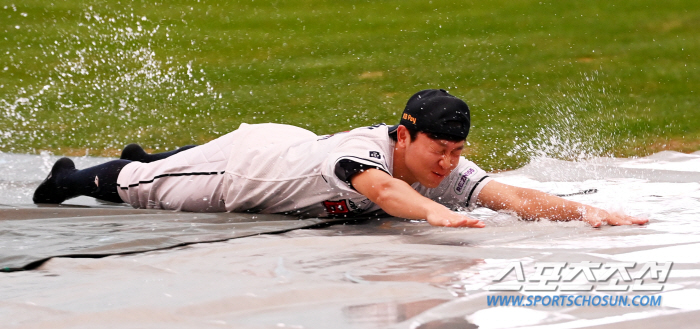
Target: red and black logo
[(336, 207)]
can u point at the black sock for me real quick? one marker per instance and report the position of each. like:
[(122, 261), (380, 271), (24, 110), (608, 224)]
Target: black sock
[(135, 152), (65, 182), (100, 181)]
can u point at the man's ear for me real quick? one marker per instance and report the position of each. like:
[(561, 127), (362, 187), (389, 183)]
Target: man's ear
[(403, 137)]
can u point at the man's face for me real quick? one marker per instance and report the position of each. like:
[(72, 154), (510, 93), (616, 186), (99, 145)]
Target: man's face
[(431, 160)]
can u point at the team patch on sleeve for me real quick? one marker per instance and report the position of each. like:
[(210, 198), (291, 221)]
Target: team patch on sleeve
[(462, 180), (375, 154)]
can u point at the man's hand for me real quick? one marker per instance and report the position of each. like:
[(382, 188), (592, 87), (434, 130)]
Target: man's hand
[(399, 199), (452, 219), (595, 217)]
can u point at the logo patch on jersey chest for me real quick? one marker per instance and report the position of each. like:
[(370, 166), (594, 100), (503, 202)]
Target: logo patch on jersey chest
[(336, 207)]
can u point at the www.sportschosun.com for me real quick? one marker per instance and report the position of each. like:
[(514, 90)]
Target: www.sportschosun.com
[(580, 283), (573, 300)]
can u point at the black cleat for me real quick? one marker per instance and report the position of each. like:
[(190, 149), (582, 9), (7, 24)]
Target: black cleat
[(134, 152), (54, 188)]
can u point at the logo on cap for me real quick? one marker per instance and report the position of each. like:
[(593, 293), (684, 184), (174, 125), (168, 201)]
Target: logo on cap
[(408, 117)]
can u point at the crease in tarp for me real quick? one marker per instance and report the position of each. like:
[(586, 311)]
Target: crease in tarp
[(41, 233)]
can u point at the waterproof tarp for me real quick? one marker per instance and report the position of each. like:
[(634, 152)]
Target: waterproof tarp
[(379, 273), (30, 234)]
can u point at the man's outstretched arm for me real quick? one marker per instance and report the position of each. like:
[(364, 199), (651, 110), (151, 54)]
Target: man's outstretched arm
[(399, 199), (532, 204)]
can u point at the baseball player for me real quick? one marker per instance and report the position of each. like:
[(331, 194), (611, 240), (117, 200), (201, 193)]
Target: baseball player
[(412, 170)]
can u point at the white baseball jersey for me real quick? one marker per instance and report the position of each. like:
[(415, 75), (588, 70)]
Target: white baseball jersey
[(273, 168)]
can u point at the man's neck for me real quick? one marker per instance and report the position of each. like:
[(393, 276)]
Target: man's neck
[(400, 170)]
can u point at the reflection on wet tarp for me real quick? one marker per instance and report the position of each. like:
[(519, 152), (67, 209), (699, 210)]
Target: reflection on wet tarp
[(389, 313)]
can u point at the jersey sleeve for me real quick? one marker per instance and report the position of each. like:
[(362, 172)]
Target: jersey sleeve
[(354, 156), (459, 189)]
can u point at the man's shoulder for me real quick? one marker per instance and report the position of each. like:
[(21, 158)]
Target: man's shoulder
[(378, 133), (277, 128), (371, 138), (358, 149)]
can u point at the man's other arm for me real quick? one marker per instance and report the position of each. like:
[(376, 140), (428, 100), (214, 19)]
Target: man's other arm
[(532, 204), (399, 199)]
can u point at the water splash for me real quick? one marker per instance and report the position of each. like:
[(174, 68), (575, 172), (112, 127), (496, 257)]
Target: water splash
[(574, 122), (101, 76)]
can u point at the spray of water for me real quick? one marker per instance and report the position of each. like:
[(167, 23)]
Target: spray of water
[(105, 71), (574, 122)]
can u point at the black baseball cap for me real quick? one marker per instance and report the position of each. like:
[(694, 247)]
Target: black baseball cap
[(437, 113)]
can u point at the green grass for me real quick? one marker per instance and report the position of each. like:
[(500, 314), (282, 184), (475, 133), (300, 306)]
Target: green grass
[(596, 77)]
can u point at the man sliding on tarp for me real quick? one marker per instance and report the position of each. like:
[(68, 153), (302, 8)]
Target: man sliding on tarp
[(412, 170)]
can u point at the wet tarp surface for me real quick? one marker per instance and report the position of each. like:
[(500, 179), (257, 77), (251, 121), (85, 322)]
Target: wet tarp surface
[(379, 273), (32, 234)]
